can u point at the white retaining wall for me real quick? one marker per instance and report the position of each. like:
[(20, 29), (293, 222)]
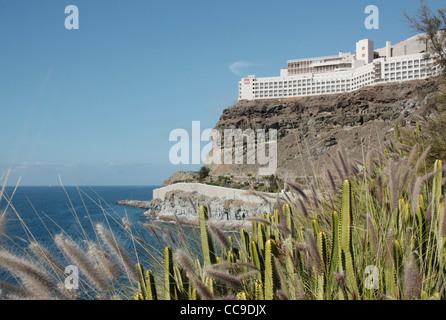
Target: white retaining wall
[(214, 191)]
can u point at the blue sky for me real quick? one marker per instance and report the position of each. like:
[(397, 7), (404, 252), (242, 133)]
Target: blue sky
[(96, 105)]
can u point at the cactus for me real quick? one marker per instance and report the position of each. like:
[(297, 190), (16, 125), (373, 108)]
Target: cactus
[(146, 284), (256, 258), (241, 296), (422, 227), (170, 288), (150, 285), (244, 251), (138, 296), (231, 258), (315, 227), (436, 188), (254, 231), (206, 240), (261, 237), (334, 260), (141, 282), (259, 295), (275, 220), (267, 228), (438, 208), (346, 257), (194, 295), (322, 244), (390, 270), (209, 283), (290, 276), (184, 288), (316, 258), (398, 257), (271, 277)]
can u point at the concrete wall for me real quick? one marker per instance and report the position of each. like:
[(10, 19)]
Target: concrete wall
[(213, 191), (410, 46), (406, 47)]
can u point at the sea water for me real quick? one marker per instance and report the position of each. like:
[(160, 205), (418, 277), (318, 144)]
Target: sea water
[(37, 214)]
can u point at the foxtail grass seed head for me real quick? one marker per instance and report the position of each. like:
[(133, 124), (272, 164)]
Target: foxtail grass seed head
[(47, 257), (219, 235), (103, 261), (122, 254), (126, 223), (223, 277), (83, 262), (313, 251), (37, 281), (184, 261), (13, 292), (412, 279), (2, 223), (202, 290)]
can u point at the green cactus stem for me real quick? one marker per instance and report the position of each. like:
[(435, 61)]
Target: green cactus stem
[(272, 281), (206, 239)]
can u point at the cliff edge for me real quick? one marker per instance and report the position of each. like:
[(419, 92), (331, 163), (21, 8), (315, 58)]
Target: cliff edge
[(311, 128)]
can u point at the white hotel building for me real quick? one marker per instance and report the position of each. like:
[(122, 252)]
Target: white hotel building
[(344, 72)]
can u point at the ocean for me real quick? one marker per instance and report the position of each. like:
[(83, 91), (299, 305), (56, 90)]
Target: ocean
[(40, 213)]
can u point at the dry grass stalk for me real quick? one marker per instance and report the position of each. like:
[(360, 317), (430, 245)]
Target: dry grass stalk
[(223, 277), (84, 263), (412, 279), (36, 281), (118, 251)]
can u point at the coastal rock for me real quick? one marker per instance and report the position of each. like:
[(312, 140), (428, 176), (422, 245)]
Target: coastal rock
[(227, 213), (310, 129)]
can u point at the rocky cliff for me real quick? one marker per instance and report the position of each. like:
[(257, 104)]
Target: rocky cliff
[(311, 131), (311, 128)]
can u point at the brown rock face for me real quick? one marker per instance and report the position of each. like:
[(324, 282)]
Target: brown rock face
[(311, 128)]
